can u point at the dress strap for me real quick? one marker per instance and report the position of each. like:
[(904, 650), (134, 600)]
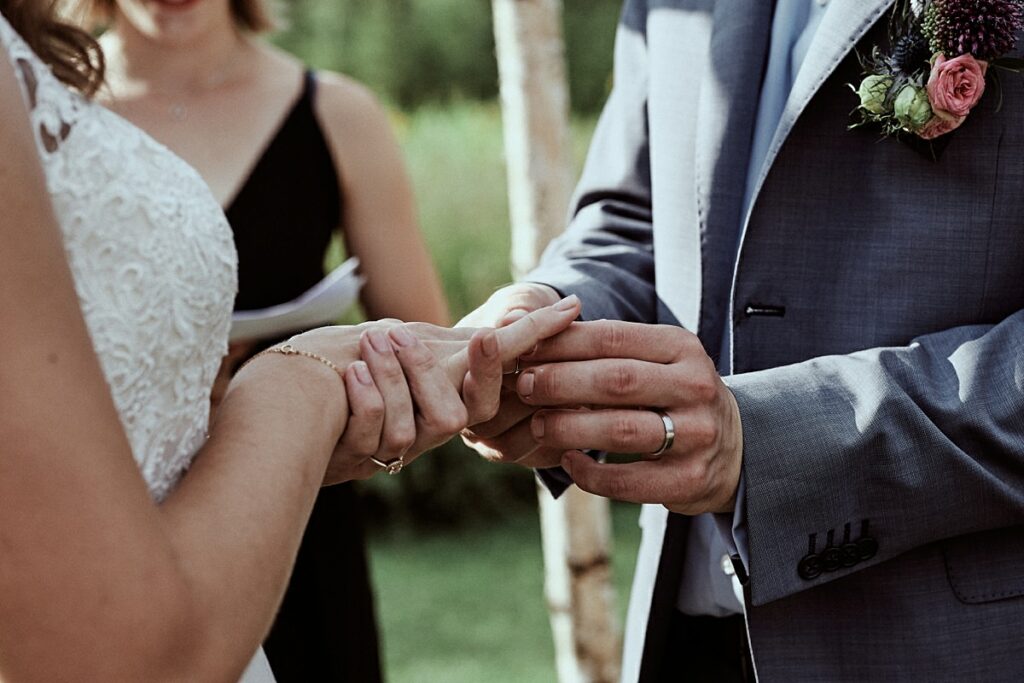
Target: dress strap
[(309, 86)]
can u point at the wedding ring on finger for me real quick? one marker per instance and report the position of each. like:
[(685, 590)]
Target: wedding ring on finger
[(670, 433), (392, 467), (515, 370)]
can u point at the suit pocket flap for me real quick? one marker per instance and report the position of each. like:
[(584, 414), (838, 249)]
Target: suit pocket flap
[(986, 566)]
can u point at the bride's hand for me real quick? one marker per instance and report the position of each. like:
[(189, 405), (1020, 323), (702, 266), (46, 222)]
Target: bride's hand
[(434, 381), (418, 385), (402, 398)]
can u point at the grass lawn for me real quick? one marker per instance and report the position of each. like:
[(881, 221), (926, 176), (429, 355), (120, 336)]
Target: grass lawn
[(468, 606)]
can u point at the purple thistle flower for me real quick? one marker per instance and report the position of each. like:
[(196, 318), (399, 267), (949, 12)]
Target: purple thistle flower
[(986, 29)]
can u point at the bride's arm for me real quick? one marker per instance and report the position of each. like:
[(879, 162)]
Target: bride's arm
[(97, 582)]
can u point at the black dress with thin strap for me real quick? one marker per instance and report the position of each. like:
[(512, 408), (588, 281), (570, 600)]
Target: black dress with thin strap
[(283, 218)]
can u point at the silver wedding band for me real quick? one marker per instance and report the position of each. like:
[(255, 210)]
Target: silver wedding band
[(670, 433), (514, 371), (392, 467)]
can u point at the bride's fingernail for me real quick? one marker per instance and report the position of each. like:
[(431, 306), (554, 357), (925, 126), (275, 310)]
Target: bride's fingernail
[(379, 342), (402, 337), (567, 303), (489, 345), (362, 373)]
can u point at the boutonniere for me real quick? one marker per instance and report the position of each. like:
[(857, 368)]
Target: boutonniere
[(935, 73)]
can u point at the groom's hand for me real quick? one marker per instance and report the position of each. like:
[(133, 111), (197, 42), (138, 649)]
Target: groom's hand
[(614, 367), (506, 436)]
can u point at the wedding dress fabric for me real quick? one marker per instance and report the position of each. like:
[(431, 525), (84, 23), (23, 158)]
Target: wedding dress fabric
[(153, 263)]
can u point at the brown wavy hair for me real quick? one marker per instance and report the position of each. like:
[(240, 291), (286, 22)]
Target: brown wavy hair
[(73, 54), (255, 16)]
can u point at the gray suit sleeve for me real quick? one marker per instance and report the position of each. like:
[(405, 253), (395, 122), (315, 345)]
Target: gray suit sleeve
[(606, 255), (923, 442)]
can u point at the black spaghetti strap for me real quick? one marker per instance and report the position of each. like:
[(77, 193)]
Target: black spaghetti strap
[(285, 213), (309, 86)]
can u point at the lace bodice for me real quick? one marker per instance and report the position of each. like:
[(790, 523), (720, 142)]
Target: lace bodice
[(153, 262)]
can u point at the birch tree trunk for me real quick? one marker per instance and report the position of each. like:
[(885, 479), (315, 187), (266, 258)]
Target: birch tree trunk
[(577, 528)]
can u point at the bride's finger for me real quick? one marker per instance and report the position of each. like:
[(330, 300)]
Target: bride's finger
[(481, 388), (440, 413), (522, 336), (350, 460), (399, 431), (362, 435)]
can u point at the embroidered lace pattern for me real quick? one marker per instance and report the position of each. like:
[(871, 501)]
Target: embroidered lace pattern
[(153, 261)]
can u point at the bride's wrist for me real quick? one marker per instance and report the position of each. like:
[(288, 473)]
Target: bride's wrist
[(299, 381)]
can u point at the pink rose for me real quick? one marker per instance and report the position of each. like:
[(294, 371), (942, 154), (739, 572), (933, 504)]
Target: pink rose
[(940, 126), (956, 85)]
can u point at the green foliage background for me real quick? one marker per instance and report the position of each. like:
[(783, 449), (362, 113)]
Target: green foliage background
[(416, 52)]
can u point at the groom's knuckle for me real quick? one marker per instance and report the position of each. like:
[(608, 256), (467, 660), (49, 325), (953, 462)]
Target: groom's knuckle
[(622, 381), (695, 475), (703, 387), (612, 340), (685, 342), (701, 432), (624, 434)]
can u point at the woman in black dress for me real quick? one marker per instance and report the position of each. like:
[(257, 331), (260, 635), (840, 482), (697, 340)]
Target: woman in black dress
[(294, 157)]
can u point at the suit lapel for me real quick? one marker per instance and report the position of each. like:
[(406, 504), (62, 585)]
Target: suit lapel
[(844, 24), (711, 51)]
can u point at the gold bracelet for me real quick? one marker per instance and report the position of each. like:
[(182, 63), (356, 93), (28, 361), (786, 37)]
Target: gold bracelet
[(289, 350)]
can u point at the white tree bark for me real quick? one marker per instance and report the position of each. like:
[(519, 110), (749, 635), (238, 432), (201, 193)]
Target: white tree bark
[(577, 528)]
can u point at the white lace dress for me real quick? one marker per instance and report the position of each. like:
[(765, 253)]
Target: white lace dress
[(154, 266)]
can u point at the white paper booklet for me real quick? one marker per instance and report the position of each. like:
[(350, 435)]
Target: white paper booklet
[(322, 304)]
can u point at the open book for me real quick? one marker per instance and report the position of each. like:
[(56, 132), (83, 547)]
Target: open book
[(322, 304)]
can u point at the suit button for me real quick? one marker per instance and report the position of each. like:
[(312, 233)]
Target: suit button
[(727, 567), (831, 559), (850, 554), (809, 567), (867, 547)]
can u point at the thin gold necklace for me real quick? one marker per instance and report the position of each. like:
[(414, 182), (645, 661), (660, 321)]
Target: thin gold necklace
[(178, 107)]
